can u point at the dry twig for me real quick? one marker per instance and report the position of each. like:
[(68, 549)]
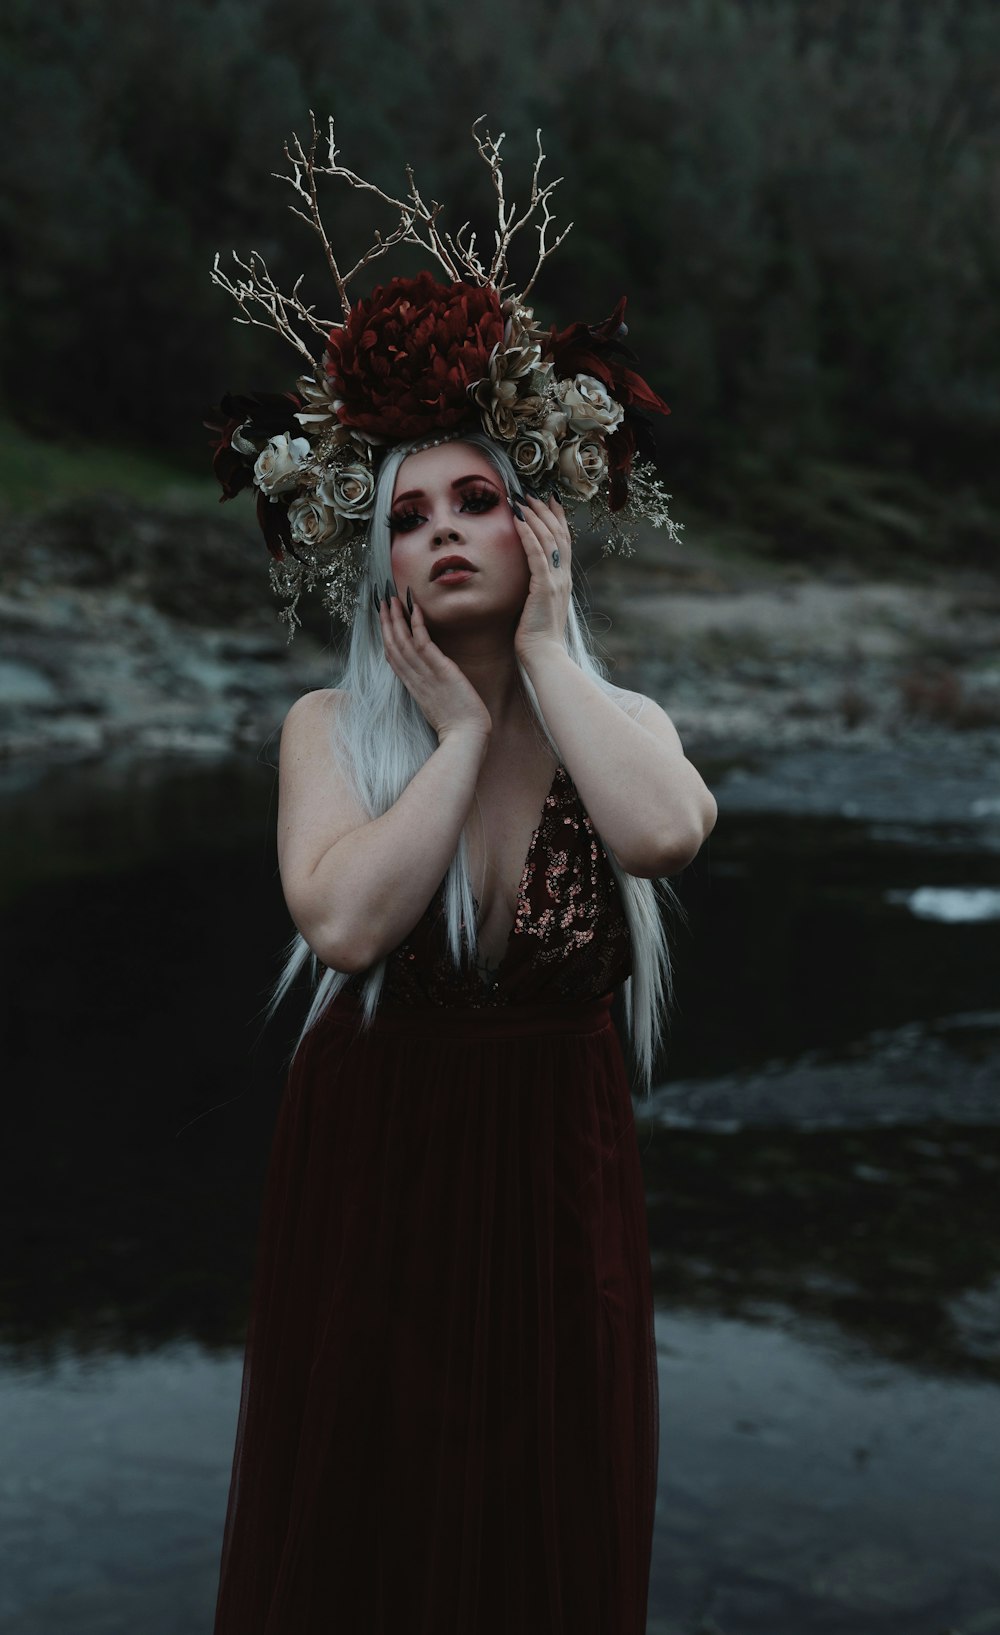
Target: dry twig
[(418, 225)]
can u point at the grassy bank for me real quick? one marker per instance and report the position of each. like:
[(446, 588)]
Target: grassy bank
[(36, 473), (890, 522)]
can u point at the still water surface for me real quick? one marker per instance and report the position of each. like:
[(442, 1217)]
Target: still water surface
[(822, 1159)]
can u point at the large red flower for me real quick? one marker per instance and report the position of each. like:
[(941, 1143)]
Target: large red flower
[(402, 362), (597, 349)]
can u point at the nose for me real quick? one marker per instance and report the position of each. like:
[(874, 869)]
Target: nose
[(442, 533)]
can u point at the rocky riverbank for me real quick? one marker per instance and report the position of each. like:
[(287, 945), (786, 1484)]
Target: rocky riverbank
[(154, 631)]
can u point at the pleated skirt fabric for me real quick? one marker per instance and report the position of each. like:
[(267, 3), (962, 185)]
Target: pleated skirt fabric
[(449, 1419)]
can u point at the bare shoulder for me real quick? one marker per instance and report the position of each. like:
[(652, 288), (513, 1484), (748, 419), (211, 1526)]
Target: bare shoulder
[(312, 712), (316, 802), (650, 714)]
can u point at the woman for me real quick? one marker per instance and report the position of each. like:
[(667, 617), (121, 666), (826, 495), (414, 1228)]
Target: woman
[(449, 1413)]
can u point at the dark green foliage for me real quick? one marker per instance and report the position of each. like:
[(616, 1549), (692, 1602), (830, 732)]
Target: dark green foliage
[(799, 198)]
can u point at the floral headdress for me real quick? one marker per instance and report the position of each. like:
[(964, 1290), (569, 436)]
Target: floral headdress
[(424, 359)]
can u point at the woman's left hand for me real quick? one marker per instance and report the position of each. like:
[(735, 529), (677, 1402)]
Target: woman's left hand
[(545, 535)]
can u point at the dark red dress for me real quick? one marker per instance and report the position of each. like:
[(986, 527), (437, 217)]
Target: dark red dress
[(449, 1417)]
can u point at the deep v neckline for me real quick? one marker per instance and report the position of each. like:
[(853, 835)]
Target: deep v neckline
[(494, 975)]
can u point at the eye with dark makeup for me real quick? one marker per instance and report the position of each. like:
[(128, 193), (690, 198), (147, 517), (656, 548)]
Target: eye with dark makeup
[(404, 520), (481, 498), (477, 500)]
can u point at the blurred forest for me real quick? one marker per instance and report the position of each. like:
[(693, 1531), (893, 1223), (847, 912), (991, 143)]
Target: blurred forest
[(801, 199)]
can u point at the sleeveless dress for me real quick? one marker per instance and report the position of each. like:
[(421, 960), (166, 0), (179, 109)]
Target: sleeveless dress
[(449, 1416)]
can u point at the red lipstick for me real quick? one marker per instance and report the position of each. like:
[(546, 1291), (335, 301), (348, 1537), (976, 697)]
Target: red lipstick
[(446, 562)]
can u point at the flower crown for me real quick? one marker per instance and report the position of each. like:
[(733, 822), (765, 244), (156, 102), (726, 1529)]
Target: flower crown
[(420, 359)]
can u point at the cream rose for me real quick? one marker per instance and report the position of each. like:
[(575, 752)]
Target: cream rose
[(557, 423), (583, 465), (279, 465), (313, 523), (349, 490), (590, 405), (534, 452)]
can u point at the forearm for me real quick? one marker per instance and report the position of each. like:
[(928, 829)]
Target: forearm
[(650, 806), (379, 879)]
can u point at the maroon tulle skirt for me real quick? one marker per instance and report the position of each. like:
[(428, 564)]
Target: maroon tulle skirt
[(449, 1416)]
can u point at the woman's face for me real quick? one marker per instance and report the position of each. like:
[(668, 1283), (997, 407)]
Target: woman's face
[(450, 501)]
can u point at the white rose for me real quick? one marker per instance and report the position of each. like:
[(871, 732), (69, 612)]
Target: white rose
[(313, 523), (557, 423), (279, 465), (534, 452), (589, 405), (583, 465), (349, 490)]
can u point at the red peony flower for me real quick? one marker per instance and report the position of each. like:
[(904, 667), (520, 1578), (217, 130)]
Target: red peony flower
[(403, 361), (596, 349)]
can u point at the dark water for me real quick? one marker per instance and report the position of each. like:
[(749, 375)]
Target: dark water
[(822, 1157)]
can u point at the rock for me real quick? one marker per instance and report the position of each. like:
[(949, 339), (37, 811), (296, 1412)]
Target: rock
[(132, 625)]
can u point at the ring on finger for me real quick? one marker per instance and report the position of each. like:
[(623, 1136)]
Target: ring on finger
[(555, 559)]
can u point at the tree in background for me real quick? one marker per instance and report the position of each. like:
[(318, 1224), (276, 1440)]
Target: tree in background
[(799, 198)]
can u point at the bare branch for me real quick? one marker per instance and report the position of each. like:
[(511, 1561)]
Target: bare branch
[(508, 223), (303, 179), (417, 221), (544, 251), (417, 225), (397, 236), (259, 289)]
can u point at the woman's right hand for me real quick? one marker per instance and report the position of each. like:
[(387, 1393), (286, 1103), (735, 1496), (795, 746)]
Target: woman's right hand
[(443, 691)]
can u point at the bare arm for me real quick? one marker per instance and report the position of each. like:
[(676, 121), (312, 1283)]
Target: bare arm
[(356, 886), (648, 802)]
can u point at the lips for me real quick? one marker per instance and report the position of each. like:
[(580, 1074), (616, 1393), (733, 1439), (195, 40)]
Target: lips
[(447, 562)]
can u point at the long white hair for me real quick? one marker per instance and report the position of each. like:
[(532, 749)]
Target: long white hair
[(383, 738)]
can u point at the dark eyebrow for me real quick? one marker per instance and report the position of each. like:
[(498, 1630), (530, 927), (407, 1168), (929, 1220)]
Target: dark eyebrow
[(460, 482)]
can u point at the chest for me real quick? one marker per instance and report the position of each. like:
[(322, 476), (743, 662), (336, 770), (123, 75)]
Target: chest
[(499, 835)]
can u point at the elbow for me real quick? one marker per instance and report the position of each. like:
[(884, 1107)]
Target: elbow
[(662, 864), (685, 854), (346, 957), (348, 951), (338, 947), (672, 854)]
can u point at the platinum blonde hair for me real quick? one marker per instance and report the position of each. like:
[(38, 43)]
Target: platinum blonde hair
[(383, 739)]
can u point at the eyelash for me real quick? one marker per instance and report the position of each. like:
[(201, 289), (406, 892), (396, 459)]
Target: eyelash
[(404, 521)]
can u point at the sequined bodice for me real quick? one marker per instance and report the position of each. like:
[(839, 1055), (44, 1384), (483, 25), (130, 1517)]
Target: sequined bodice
[(570, 939)]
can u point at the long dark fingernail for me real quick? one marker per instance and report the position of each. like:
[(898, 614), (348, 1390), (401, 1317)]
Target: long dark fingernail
[(519, 514), (388, 590), (376, 598), (555, 496), (409, 598)]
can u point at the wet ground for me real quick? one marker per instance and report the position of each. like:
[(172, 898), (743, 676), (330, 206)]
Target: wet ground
[(821, 1153)]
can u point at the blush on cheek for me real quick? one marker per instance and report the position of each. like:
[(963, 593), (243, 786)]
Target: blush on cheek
[(512, 547)]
